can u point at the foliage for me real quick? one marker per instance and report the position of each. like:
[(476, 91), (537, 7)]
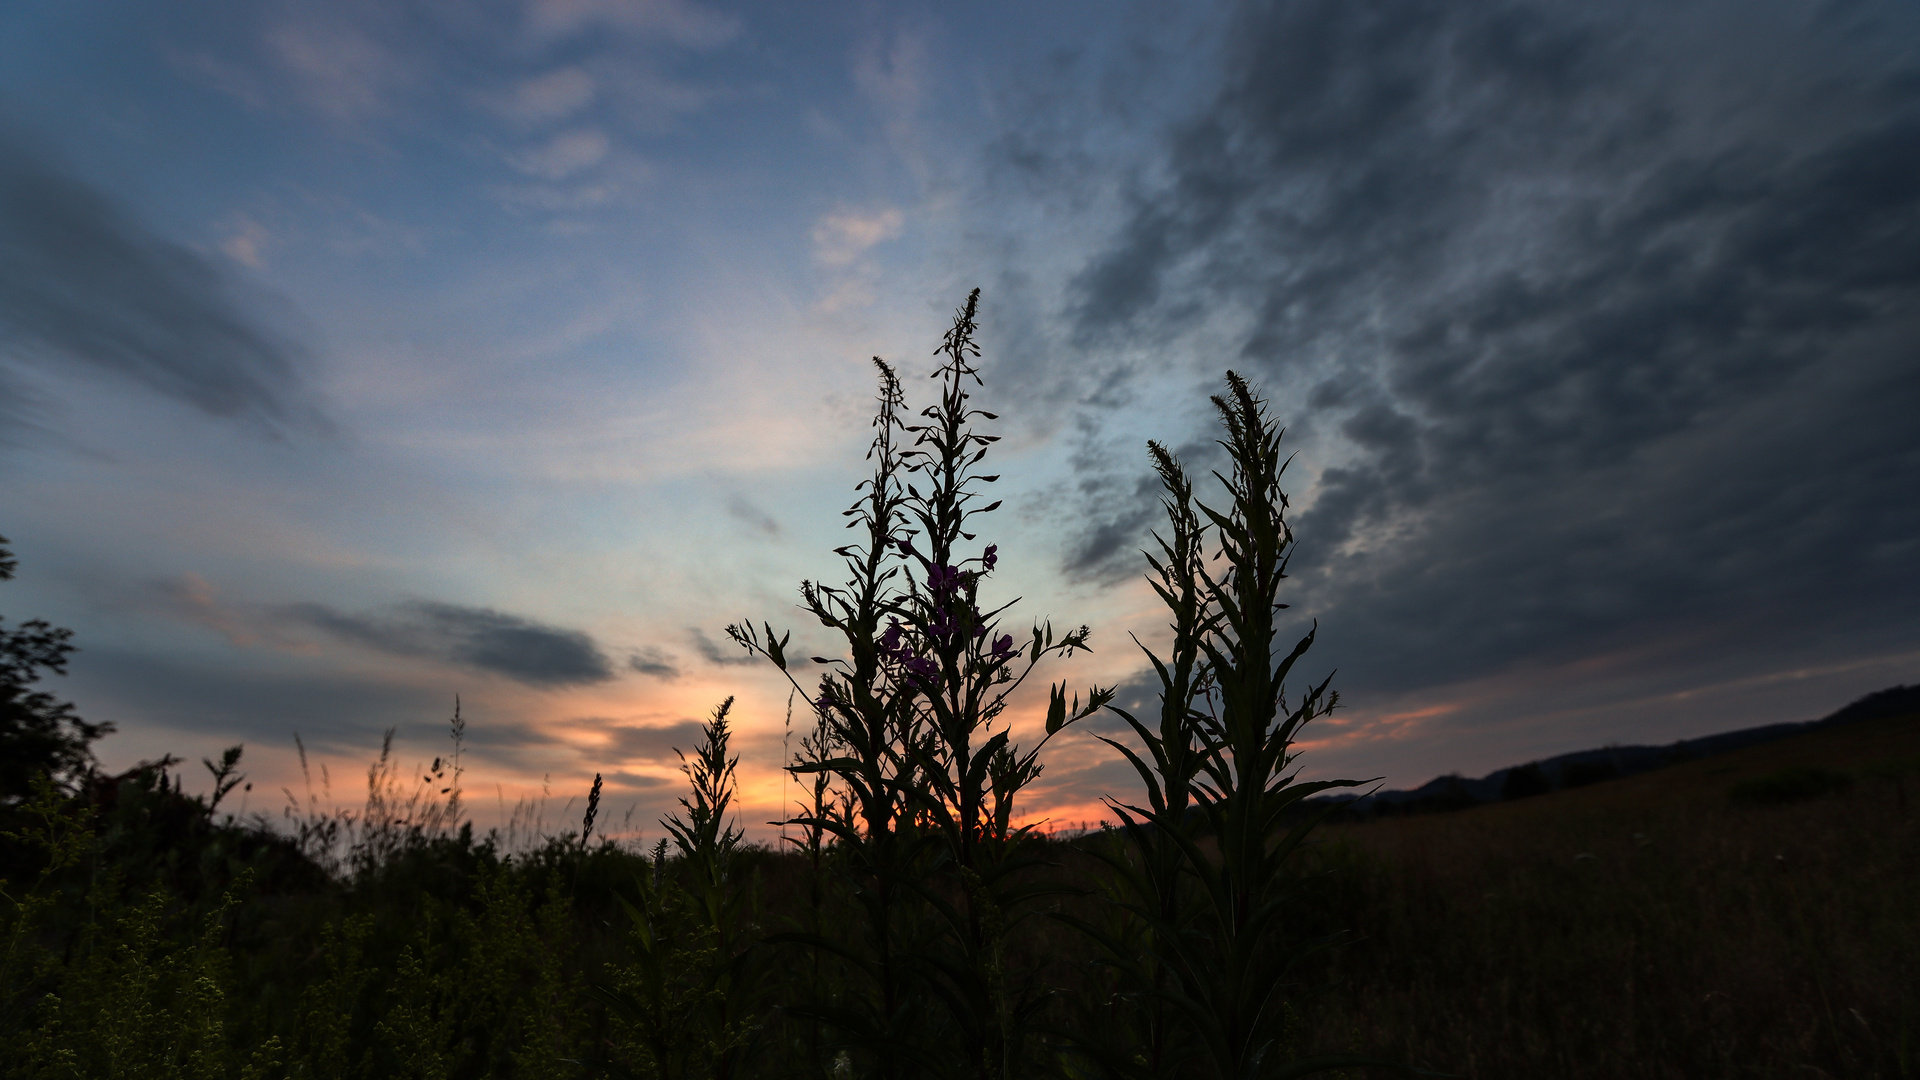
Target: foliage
[(39, 734), (1525, 781), (686, 1006), (1206, 956), (910, 730)]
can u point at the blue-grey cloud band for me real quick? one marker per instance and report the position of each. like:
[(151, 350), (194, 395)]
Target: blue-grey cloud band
[(512, 647), (84, 283)]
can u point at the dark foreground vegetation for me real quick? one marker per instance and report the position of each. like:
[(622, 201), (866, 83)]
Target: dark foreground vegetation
[(1662, 925), (1726, 917)]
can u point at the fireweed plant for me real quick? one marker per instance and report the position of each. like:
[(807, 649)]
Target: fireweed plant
[(1201, 950), (687, 1006), (924, 774)]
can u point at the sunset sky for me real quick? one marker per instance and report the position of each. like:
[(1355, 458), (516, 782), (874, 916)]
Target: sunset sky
[(358, 355)]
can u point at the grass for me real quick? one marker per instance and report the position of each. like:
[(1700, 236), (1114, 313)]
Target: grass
[(1652, 926)]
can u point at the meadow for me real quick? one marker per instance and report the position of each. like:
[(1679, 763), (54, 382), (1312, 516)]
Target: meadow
[(1749, 914), (1657, 925)]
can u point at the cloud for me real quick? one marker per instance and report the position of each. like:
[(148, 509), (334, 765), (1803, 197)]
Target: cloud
[(654, 661), (564, 155), (82, 282), (1605, 316), (480, 638), (22, 408), (554, 96), (339, 70), (635, 781), (245, 242), (713, 652), (688, 25), (191, 598), (220, 75), (650, 742), (264, 704), (646, 99), (844, 235), (743, 510)]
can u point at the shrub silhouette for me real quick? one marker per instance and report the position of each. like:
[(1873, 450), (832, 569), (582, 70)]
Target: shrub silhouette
[(1581, 773), (39, 734), (1524, 781)]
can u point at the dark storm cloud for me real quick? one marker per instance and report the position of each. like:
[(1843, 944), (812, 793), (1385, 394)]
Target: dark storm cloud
[(1109, 545), (507, 645), (82, 282), (1614, 306), (1106, 545)]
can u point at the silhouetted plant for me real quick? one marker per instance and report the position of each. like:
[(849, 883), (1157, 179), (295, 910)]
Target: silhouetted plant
[(911, 717), (1210, 968), (38, 732), (1151, 875), (686, 1006)]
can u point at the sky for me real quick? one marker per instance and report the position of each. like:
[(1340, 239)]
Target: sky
[(355, 356)]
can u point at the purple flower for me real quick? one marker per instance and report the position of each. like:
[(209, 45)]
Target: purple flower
[(890, 641), (924, 670), (942, 623), (943, 578), (991, 556), (1003, 647)]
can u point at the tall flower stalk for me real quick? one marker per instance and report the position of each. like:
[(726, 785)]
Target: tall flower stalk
[(913, 715), (1211, 957), (688, 1002)]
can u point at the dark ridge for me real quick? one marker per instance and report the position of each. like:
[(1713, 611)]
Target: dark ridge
[(1582, 767)]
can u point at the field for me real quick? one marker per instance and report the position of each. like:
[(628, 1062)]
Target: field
[(1650, 926)]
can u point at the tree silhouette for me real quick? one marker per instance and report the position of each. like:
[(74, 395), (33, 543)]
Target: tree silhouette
[(39, 734)]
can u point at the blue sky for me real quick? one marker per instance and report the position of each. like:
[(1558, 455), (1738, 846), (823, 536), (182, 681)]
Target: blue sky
[(357, 355)]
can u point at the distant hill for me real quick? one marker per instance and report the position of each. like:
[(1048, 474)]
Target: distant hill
[(1583, 767)]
